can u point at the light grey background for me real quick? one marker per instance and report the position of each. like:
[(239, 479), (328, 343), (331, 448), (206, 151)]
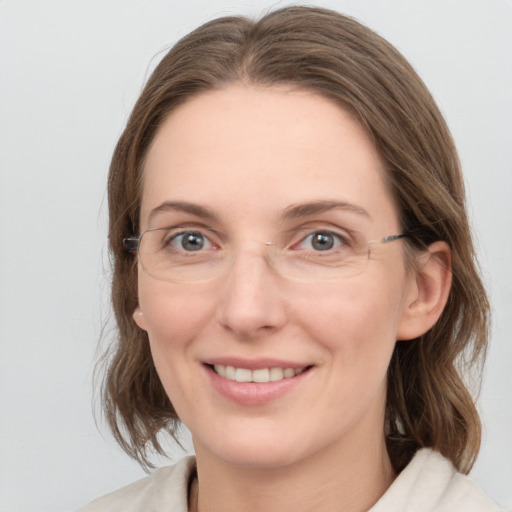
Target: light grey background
[(69, 73)]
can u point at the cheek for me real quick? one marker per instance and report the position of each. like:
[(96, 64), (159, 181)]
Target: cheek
[(174, 316), (356, 322), (355, 326), (172, 312)]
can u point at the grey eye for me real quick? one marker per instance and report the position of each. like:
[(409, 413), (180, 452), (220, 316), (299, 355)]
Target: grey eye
[(190, 241), (322, 241)]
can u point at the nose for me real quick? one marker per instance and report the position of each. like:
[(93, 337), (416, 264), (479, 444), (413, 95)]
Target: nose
[(251, 302)]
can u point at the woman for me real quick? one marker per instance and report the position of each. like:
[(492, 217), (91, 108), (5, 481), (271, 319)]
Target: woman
[(294, 277)]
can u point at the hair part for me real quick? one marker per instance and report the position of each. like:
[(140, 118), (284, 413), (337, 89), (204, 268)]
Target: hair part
[(428, 402)]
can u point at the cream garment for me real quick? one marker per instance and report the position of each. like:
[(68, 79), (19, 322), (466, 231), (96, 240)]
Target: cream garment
[(428, 484)]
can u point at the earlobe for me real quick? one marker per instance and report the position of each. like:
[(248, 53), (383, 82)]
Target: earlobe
[(139, 318), (429, 292)]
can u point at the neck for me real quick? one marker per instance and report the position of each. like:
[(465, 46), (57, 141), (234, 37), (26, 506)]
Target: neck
[(340, 478)]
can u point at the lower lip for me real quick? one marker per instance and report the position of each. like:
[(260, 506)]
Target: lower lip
[(253, 393)]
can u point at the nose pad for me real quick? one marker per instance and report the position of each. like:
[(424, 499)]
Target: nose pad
[(250, 298)]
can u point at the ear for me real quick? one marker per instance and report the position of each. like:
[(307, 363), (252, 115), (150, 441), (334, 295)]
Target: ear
[(428, 292), (139, 318)]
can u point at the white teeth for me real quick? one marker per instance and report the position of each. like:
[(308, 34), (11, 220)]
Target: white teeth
[(261, 375), (288, 372), (243, 375), (221, 370), (230, 373), (276, 374)]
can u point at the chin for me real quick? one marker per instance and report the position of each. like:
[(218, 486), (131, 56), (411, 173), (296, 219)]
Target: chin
[(250, 452)]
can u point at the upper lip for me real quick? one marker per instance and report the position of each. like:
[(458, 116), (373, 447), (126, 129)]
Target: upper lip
[(255, 364)]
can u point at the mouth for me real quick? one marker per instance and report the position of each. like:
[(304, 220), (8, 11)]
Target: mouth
[(260, 375), (256, 382)]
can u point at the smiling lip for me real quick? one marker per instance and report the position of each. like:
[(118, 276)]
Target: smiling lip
[(261, 375), (255, 383)]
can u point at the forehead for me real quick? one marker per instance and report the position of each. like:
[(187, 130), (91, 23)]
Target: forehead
[(252, 150)]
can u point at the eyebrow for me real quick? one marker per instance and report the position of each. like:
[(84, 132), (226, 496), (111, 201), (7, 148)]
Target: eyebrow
[(291, 212), (183, 206), (314, 207)]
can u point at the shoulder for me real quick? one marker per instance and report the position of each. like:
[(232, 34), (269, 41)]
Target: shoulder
[(165, 489), (430, 483)]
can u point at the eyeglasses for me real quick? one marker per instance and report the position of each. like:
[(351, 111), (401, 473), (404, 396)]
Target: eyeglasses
[(193, 255)]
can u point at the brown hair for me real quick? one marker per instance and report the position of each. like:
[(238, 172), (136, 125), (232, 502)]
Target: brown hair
[(428, 403)]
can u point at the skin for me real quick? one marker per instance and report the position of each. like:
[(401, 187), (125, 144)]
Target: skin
[(248, 154)]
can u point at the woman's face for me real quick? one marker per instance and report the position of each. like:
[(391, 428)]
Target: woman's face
[(243, 166)]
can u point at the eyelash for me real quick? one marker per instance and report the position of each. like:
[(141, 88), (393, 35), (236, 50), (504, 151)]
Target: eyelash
[(171, 237), (341, 239)]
